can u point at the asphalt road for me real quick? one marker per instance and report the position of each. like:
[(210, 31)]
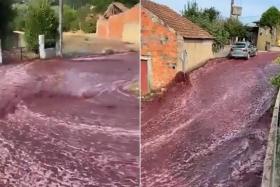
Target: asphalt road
[(70, 122), (212, 132)]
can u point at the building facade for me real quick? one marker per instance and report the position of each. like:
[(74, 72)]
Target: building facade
[(120, 23), (170, 43)]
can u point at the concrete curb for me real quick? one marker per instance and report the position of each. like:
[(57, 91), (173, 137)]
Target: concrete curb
[(269, 178)]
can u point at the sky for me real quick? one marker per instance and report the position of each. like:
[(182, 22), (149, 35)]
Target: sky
[(252, 9)]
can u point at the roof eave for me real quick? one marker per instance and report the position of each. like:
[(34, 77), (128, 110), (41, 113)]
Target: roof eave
[(199, 38)]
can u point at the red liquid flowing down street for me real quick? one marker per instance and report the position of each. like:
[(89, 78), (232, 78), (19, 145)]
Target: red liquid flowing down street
[(214, 131), (70, 122)]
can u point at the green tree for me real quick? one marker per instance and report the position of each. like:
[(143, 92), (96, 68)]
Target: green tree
[(101, 5), (40, 20), (235, 28), (191, 11), (20, 16), (211, 13), (87, 19), (270, 18), (89, 24), (208, 19), (70, 19), (6, 17), (128, 3)]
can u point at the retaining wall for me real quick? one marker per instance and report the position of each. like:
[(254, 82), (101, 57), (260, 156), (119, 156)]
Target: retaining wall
[(270, 171)]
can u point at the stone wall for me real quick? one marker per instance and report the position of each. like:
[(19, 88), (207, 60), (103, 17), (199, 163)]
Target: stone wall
[(264, 36), (160, 43)]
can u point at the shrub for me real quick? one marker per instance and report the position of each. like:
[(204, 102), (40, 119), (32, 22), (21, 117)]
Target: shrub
[(88, 19), (89, 24), (83, 12), (277, 60), (209, 19), (41, 20), (276, 81), (6, 15), (75, 25), (20, 17), (70, 19), (235, 28)]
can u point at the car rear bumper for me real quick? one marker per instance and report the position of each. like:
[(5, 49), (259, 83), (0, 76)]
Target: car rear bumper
[(239, 55)]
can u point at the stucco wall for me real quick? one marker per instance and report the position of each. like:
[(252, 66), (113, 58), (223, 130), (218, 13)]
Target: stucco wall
[(160, 43), (131, 33), (102, 28), (198, 52), (131, 28), (115, 26), (264, 36), (120, 26), (180, 51)]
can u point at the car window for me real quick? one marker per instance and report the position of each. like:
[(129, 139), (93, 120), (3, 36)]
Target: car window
[(239, 45)]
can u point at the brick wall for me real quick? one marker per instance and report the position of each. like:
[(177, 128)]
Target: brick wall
[(160, 43), (114, 27), (102, 28)]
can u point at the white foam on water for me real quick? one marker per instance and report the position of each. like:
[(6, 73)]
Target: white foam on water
[(22, 113)]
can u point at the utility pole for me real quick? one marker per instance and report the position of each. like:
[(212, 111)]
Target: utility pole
[(60, 29)]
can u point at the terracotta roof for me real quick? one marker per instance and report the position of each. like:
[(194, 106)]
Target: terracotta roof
[(174, 20), (115, 8)]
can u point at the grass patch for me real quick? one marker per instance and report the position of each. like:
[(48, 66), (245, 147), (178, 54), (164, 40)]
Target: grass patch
[(277, 60), (276, 81)]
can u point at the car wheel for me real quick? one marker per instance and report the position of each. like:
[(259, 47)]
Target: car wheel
[(248, 56)]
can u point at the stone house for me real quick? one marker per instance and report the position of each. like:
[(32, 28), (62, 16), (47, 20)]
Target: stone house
[(267, 37), (263, 37), (170, 43), (120, 23)]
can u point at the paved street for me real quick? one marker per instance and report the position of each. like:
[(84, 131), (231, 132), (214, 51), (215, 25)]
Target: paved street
[(214, 131), (70, 122)]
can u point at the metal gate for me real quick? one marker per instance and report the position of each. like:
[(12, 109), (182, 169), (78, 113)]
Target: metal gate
[(14, 49)]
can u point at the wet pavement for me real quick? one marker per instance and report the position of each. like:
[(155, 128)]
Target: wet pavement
[(214, 131), (70, 122)]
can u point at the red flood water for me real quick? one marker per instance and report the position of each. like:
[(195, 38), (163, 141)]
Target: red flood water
[(214, 131), (63, 124)]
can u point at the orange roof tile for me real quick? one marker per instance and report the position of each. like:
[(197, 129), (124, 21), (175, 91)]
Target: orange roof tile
[(180, 24)]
